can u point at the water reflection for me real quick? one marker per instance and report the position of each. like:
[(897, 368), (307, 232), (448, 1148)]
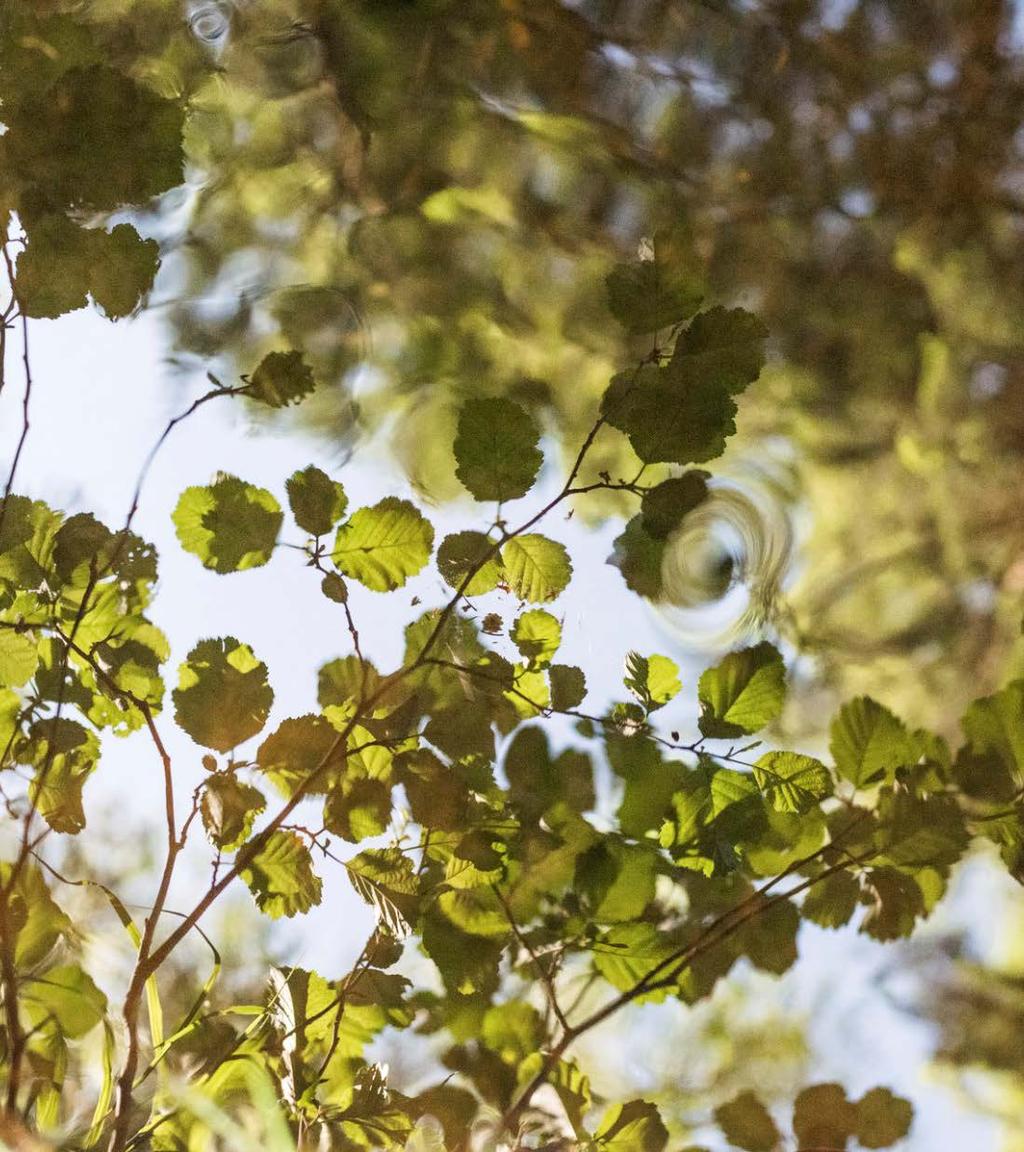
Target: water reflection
[(726, 567), (456, 179)]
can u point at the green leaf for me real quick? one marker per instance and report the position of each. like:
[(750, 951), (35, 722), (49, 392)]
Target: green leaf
[(995, 725), (723, 344), (747, 1123), (357, 809), (568, 687), (632, 1127), (387, 881), (123, 271), (298, 754), (65, 263), (228, 808), (496, 451), (460, 553), (537, 569), (317, 502), (68, 996), (665, 506), (883, 1119), (896, 904), (64, 754), (223, 697), (627, 953), (18, 658), (638, 556), (647, 295), (666, 420), (791, 782), (280, 379), (230, 525), (99, 140), (383, 546), (823, 1117), (280, 876), (537, 635), (869, 743), (832, 902), (743, 694), (617, 879), (653, 680), (683, 412)]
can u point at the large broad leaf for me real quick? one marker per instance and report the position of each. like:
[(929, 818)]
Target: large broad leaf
[(299, 754), (683, 412), (791, 782), (632, 1127), (666, 419), (223, 697), (995, 724), (317, 502), (869, 743), (229, 524), (743, 694), (746, 1123), (725, 345), (98, 140), (383, 546), (496, 451), (281, 877), (537, 569), (64, 264)]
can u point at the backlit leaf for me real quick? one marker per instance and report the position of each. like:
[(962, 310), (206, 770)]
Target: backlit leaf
[(280, 876), (383, 546), (791, 782), (537, 569), (229, 524), (223, 697), (743, 694)]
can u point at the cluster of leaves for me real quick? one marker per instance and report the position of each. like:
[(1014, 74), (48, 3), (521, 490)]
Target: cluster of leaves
[(474, 840)]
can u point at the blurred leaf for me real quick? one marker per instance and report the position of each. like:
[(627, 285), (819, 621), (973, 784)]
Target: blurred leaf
[(882, 1118), (280, 379), (747, 1123)]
